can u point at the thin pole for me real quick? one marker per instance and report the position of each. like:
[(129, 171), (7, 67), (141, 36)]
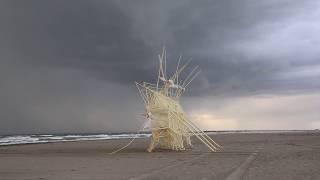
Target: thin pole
[(189, 75), (201, 134), (202, 140), (192, 78), (165, 63), (191, 127), (206, 135)]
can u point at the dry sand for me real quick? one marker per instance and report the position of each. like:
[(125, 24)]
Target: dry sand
[(285, 156)]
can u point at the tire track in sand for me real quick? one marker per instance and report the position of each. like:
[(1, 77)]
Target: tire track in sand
[(156, 171), (238, 172)]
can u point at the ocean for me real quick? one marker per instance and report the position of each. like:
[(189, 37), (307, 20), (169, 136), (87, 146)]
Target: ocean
[(47, 138)]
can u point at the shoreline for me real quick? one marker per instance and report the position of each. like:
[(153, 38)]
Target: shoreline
[(11, 140)]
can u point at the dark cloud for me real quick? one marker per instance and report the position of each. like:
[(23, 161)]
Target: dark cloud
[(56, 55)]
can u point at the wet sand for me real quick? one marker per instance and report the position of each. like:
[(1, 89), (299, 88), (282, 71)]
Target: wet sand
[(285, 156)]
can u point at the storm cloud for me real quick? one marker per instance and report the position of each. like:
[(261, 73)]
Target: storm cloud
[(69, 66)]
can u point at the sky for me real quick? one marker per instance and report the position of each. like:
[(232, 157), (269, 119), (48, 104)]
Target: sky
[(70, 66)]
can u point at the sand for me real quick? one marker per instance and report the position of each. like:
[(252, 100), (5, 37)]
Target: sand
[(285, 156)]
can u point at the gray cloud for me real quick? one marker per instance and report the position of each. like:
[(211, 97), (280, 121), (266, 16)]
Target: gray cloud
[(63, 60)]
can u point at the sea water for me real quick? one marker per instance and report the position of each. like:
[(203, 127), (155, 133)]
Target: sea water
[(47, 138)]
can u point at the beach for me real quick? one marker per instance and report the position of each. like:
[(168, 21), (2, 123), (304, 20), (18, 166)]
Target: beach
[(254, 156)]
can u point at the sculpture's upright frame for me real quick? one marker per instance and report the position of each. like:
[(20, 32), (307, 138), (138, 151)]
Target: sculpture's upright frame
[(168, 122)]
